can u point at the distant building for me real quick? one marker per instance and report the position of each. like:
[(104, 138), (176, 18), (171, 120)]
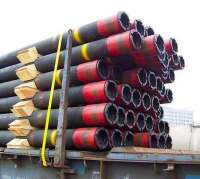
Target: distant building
[(177, 117)]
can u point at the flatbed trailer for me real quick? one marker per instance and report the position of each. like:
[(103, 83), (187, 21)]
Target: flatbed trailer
[(119, 163)]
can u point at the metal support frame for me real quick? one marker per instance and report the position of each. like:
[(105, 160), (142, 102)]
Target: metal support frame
[(60, 152)]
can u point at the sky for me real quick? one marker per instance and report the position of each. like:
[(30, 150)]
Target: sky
[(23, 22)]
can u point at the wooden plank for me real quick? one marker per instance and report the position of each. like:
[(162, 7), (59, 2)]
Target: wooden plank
[(21, 127), (28, 55), (23, 108), (27, 73), (18, 144), (26, 90)]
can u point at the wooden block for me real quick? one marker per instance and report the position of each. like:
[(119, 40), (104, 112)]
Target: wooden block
[(26, 90), (23, 108), (21, 127), (18, 144), (27, 73), (28, 55)]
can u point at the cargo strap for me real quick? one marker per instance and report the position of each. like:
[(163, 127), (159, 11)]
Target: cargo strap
[(48, 115)]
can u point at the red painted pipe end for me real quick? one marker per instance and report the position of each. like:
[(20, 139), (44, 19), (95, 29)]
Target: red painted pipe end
[(182, 62), (136, 39), (123, 20), (138, 26), (111, 90), (103, 69), (142, 76), (111, 113), (102, 138)]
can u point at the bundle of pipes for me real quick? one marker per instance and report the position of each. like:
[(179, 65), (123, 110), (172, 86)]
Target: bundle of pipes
[(117, 86)]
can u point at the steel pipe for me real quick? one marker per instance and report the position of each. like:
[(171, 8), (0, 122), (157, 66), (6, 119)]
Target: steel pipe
[(105, 114), (128, 139), (124, 95), (171, 46), (97, 92), (121, 117), (87, 33), (130, 119), (81, 138), (116, 138)]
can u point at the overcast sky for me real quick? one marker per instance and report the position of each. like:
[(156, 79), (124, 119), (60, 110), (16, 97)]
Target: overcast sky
[(23, 22)]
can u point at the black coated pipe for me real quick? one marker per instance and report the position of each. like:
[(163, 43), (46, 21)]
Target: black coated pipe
[(97, 92), (81, 74), (112, 46), (6, 119), (7, 103), (80, 138), (9, 73), (7, 88), (5, 137), (105, 114), (87, 33)]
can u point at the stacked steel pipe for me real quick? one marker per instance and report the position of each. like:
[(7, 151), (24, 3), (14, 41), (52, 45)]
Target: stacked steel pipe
[(117, 85)]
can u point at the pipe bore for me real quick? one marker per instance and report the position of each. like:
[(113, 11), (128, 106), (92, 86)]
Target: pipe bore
[(152, 80), (149, 31), (116, 138), (124, 94), (160, 113), (130, 119), (153, 143), (161, 127), (142, 76), (136, 98), (123, 20), (155, 103), (111, 90), (159, 84), (149, 123), (140, 121), (161, 141), (102, 138), (128, 139), (111, 113), (166, 131), (182, 62), (139, 26), (171, 75), (102, 69), (146, 101), (174, 60), (168, 142), (174, 45), (169, 95), (121, 117), (159, 43), (136, 39)]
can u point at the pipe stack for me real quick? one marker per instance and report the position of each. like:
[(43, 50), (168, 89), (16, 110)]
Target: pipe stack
[(117, 86)]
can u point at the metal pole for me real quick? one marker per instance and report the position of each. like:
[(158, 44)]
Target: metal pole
[(59, 158)]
